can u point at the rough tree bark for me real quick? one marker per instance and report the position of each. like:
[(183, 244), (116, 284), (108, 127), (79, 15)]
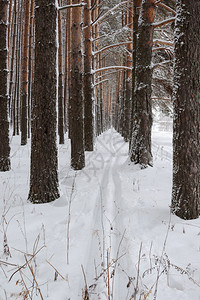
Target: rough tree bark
[(68, 37), (186, 139), (136, 13), (88, 89), (60, 80), (140, 151), (30, 62), (4, 125), (127, 100), (24, 80), (43, 173), (76, 93)]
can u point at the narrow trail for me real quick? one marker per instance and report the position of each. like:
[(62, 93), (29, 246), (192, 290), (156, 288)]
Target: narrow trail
[(107, 249)]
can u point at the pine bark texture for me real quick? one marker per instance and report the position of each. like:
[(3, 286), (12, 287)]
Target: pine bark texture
[(68, 37), (43, 174), (24, 88), (127, 106), (4, 125), (140, 151), (60, 81), (76, 93), (136, 13), (186, 138), (88, 89)]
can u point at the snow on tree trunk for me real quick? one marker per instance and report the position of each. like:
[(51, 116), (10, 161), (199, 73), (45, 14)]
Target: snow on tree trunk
[(43, 173), (4, 125), (88, 90), (186, 139), (136, 13), (140, 151), (127, 102), (76, 95)]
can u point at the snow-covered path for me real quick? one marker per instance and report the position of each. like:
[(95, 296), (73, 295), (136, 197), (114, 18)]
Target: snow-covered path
[(107, 226), (116, 209)]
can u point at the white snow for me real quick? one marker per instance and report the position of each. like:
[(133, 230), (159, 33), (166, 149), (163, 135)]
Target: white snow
[(116, 209)]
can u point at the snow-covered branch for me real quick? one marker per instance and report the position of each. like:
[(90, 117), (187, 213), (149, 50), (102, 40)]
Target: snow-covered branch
[(111, 46), (164, 22), (163, 42), (161, 64), (111, 68), (72, 6), (167, 8), (108, 12), (97, 83)]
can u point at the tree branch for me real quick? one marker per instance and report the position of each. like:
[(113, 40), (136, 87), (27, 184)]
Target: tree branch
[(111, 68), (72, 6), (111, 46), (162, 23), (167, 8)]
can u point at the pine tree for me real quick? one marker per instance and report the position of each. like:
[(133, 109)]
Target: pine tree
[(88, 90), (43, 173), (186, 139), (76, 93), (4, 125), (60, 80), (140, 151), (24, 87)]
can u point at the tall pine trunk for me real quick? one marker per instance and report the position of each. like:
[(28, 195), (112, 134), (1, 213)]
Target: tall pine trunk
[(127, 102), (30, 62), (4, 125), (76, 93), (60, 80), (136, 13), (88, 90), (68, 37), (140, 151), (186, 139), (43, 173), (24, 87)]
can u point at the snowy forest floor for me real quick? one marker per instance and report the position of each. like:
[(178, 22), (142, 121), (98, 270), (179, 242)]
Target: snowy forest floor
[(112, 224)]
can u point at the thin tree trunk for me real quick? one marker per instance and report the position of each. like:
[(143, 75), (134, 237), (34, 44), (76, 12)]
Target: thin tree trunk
[(43, 173), (186, 139), (140, 151), (9, 25), (127, 104), (18, 66), (4, 125), (10, 92), (30, 63), (24, 88), (68, 28), (67, 61), (60, 81), (11, 67), (88, 89)]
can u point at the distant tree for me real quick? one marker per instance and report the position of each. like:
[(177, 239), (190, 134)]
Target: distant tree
[(140, 151), (76, 92), (4, 125), (24, 79), (43, 173), (60, 80), (127, 100), (186, 139)]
